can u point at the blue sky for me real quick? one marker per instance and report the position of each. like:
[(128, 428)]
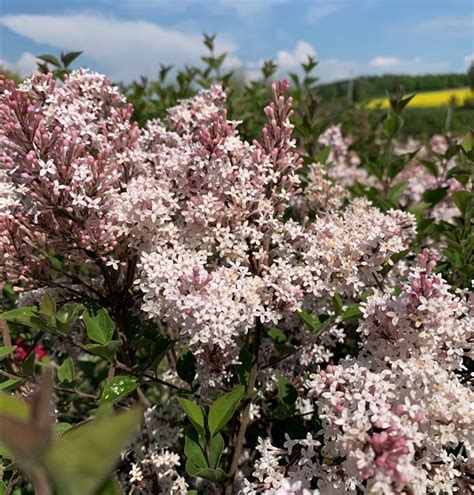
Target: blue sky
[(127, 38)]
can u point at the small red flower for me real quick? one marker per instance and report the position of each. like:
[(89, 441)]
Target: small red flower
[(22, 349)]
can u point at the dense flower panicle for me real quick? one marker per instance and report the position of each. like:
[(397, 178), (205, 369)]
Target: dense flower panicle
[(427, 319), (343, 162), (322, 194), (221, 255), (418, 178), (275, 474), (66, 150), (389, 413), (194, 113), (153, 463), (343, 252)]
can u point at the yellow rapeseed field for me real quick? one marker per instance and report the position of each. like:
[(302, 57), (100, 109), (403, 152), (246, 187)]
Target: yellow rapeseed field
[(439, 98)]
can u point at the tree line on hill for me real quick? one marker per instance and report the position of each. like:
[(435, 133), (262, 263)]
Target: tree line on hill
[(367, 87)]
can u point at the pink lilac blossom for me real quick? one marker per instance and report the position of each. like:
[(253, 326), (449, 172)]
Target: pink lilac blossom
[(222, 256), (343, 162), (274, 473), (320, 193), (418, 179), (153, 462), (388, 415), (67, 151)]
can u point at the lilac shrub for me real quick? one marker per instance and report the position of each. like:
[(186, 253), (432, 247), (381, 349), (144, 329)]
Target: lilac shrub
[(238, 293)]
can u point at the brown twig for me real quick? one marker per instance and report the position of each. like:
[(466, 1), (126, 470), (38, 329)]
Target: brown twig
[(245, 415)]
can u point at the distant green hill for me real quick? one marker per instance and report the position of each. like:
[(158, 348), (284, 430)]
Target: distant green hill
[(368, 87)]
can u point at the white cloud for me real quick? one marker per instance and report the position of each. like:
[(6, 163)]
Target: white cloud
[(125, 49), (415, 65), (290, 60), (232, 62), (25, 65), (327, 69), (243, 8), (334, 69), (468, 59), (323, 8), (384, 62), (459, 25)]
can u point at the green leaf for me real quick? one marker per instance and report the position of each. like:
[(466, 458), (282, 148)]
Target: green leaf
[(215, 475), (462, 199), (186, 366), (467, 142), (6, 350), (277, 335), (216, 446), (28, 365), (117, 388), (312, 322), (48, 306), (418, 210), (66, 315), (430, 166), (391, 125), (80, 461), (195, 414), (65, 372), (434, 196), (61, 428), (50, 59), (288, 393), (374, 168), (396, 191), (10, 383), (26, 315), (404, 102), (68, 58), (353, 311), (337, 304), (106, 351), (323, 155), (396, 165), (194, 451), (224, 408), (99, 325)]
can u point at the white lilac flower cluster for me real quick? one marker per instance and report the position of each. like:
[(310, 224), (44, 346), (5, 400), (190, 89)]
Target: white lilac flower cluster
[(10, 195), (398, 419), (276, 472), (419, 178), (66, 151), (322, 194), (216, 253), (343, 162), (153, 464)]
